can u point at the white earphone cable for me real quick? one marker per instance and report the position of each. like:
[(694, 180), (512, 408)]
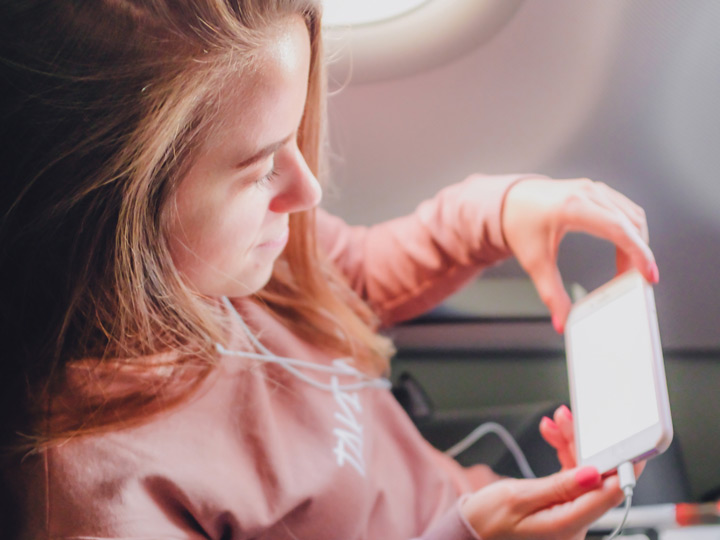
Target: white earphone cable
[(339, 367)]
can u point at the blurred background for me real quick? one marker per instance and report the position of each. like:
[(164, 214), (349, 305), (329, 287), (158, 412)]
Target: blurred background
[(622, 91)]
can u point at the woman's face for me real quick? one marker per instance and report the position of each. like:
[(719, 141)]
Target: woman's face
[(230, 217)]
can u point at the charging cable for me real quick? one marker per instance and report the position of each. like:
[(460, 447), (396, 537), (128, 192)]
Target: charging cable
[(493, 427), (626, 472), (626, 475)]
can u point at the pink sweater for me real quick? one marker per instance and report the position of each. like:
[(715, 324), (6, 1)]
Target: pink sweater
[(258, 453)]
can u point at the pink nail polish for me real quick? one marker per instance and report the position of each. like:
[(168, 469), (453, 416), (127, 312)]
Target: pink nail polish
[(565, 411), (655, 273), (588, 477)]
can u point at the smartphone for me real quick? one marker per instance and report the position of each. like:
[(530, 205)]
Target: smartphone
[(618, 390)]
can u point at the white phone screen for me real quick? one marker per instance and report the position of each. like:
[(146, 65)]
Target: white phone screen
[(613, 371)]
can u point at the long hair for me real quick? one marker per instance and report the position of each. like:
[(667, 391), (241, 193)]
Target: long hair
[(105, 103)]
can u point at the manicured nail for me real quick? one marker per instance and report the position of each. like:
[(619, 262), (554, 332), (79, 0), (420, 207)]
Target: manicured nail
[(588, 477), (654, 273), (557, 325), (565, 411)]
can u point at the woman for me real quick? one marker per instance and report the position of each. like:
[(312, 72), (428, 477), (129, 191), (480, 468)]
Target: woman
[(192, 347)]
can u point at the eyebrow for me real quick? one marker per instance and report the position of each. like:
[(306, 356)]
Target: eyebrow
[(263, 153)]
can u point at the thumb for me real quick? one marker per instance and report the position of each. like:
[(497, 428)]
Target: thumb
[(560, 487), (550, 287)]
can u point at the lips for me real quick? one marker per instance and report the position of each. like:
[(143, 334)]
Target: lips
[(278, 241)]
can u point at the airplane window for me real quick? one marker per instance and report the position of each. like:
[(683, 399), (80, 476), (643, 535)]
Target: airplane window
[(380, 39), (349, 12)]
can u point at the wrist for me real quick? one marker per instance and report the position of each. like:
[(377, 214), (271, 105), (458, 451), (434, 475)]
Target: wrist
[(507, 199)]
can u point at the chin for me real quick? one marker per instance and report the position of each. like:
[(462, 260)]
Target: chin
[(251, 286)]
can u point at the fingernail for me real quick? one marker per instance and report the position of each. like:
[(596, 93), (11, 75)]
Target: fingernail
[(557, 325), (654, 273), (565, 411), (545, 421), (588, 477)]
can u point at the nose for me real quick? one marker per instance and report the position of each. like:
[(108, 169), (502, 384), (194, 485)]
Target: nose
[(298, 189)]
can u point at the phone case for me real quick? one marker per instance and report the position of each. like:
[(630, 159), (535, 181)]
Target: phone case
[(616, 372)]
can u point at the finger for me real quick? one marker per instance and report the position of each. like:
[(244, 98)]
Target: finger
[(564, 420), (633, 211), (549, 284), (565, 519), (623, 261), (551, 433), (614, 226), (558, 488), (615, 200)]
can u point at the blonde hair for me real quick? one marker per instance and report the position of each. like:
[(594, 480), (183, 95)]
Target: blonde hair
[(95, 140)]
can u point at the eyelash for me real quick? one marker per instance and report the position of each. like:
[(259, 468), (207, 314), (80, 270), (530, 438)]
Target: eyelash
[(266, 179)]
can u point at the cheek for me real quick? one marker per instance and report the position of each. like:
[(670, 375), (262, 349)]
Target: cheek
[(212, 239)]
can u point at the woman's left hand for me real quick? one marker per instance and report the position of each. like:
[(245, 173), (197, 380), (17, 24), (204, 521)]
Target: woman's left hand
[(539, 212), (559, 432)]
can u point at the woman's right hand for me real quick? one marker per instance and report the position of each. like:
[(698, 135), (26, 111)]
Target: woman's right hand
[(560, 506), (538, 212)]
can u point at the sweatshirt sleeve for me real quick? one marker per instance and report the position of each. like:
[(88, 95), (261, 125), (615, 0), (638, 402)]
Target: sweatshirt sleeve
[(451, 526), (406, 266)]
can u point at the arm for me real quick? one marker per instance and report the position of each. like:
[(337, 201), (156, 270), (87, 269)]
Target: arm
[(406, 266)]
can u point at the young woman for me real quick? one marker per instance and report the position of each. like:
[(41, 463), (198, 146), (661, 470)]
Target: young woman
[(190, 344)]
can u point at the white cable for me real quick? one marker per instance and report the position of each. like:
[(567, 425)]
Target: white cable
[(289, 363), (626, 476), (493, 427), (339, 367), (619, 528), (274, 359), (255, 341)]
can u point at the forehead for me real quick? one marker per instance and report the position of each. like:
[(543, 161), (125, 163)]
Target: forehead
[(277, 73), (286, 48)]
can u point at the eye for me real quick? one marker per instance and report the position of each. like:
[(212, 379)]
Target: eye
[(265, 180)]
